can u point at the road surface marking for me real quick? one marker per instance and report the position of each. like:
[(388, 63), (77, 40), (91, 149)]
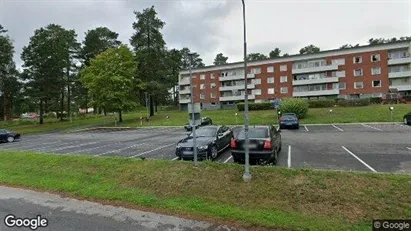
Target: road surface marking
[(356, 157), (72, 146), (228, 159), (409, 148), (89, 149), (156, 149), (30, 145), (368, 126), (175, 158), (51, 146), (306, 128), (119, 150), (338, 128), (289, 156)]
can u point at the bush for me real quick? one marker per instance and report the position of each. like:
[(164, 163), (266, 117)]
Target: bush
[(353, 102), (294, 105), (321, 103), (407, 97), (256, 106), (375, 100)]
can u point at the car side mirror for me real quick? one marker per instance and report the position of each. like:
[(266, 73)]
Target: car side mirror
[(220, 135)]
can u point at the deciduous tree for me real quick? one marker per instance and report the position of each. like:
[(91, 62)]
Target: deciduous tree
[(220, 59), (275, 53), (310, 49)]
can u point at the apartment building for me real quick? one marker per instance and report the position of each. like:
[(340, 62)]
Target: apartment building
[(360, 72)]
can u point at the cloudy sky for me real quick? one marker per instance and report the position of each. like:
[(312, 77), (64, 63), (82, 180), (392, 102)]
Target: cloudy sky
[(212, 26)]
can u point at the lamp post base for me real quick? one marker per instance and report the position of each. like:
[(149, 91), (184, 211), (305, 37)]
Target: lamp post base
[(247, 177)]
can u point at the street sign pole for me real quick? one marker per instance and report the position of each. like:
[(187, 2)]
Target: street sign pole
[(193, 126)]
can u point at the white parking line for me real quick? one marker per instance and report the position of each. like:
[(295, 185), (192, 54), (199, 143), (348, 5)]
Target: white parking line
[(29, 145), (51, 146), (156, 149), (409, 148), (72, 146), (368, 126), (90, 149), (306, 128), (356, 157), (337, 127), (119, 150), (289, 156), (175, 158), (228, 159)]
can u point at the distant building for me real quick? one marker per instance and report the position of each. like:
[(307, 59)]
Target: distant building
[(360, 72)]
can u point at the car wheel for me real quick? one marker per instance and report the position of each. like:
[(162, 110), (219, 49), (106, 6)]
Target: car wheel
[(213, 152), (279, 149), (405, 121), (297, 127), (10, 139), (274, 161)]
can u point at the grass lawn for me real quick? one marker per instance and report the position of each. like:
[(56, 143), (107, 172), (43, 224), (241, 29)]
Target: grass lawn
[(374, 113), (300, 199)]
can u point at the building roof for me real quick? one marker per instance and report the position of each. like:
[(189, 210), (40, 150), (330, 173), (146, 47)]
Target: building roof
[(295, 57)]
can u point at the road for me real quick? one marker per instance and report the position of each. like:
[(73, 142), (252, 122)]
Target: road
[(64, 214)]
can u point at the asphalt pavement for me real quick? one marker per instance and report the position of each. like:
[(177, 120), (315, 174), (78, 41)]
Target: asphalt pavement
[(355, 147), (52, 212)]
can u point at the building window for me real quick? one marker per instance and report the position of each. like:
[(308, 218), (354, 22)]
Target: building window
[(202, 76), (375, 58), (257, 92), (257, 81), (342, 86), (376, 83), (284, 90), (357, 59), (375, 70), (270, 80), (358, 85), (224, 74), (202, 86), (270, 91), (212, 76), (270, 69), (283, 79), (256, 70), (213, 104), (213, 95), (212, 85), (338, 61), (283, 68), (202, 96), (358, 72)]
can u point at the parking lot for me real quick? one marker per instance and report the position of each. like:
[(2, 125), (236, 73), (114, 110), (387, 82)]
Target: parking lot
[(357, 147)]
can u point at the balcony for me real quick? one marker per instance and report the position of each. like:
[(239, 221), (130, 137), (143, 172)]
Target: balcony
[(184, 100), (400, 74), (316, 81), (317, 93), (330, 67), (185, 81), (237, 87), (404, 87), (236, 77), (185, 91), (236, 97), (395, 61)]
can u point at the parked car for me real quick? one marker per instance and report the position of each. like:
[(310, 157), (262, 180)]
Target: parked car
[(264, 145), (204, 122), (211, 140), (289, 120), (7, 136), (407, 119)]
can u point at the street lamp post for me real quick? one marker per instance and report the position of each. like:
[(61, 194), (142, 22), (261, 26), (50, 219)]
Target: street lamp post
[(246, 175), (192, 113)]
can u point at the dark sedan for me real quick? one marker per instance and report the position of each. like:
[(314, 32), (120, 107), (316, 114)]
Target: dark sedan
[(204, 122), (289, 120), (210, 141), (264, 145), (407, 119), (7, 136)]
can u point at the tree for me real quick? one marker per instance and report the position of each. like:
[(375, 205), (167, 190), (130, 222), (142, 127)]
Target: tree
[(220, 59), (110, 78), (310, 49), (348, 46), (275, 53), (196, 61), (174, 66), (8, 72), (285, 55), (256, 57), (374, 41), (149, 47), (47, 61)]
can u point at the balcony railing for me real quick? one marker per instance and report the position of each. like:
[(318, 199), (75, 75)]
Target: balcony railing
[(236, 87), (185, 81), (321, 68), (236, 77), (400, 74), (402, 87), (185, 91), (315, 81), (403, 60), (317, 93), (236, 97), (185, 100)]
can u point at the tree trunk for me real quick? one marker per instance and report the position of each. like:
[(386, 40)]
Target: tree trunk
[(46, 106), (151, 103), (68, 94), (120, 116), (41, 112), (5, 105), (99, 110), (86, 103), (105, 112), (62, 104), (155, 105), (175, 96)]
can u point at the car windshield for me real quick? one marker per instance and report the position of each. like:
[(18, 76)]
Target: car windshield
[(4, 131), (289, 117), (206, 132), (254, 133)]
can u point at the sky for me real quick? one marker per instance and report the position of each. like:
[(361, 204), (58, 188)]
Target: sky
[(209, 27)]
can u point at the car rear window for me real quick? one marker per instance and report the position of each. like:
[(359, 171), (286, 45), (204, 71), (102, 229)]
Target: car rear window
[(254, 133)]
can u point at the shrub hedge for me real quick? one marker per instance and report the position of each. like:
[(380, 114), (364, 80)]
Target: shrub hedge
[(294, 105), (256, 106)]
